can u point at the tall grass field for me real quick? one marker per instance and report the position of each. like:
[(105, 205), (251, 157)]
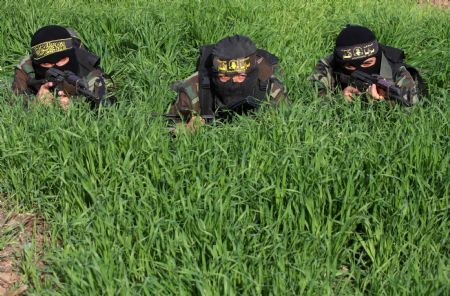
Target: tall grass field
[(321, 197)]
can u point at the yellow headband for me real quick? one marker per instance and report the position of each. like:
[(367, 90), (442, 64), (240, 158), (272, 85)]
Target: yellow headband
[(358, 51), (50, 47), (233, 66)]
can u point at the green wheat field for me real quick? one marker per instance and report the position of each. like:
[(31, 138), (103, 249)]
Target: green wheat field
[(321, 197)]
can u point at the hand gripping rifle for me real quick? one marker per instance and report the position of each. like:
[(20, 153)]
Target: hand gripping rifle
[(176, 118), (67, 80), (362, 81)]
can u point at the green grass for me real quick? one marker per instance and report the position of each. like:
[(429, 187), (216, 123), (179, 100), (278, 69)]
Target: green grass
[(320, 198)]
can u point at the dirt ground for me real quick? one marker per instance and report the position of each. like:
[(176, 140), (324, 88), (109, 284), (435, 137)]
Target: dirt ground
[(440, 3), (18, 230)]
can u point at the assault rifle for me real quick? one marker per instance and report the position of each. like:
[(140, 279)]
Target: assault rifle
[(362, 81), (67, 80)]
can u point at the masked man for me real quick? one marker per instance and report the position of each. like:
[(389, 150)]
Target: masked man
[(233, 77), (55, 47), (357, 49)]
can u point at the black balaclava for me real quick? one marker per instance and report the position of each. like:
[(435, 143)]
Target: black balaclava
[(234, 55), (354, 45), (49, 45)]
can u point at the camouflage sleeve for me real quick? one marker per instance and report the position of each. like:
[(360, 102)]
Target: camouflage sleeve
[(277, 88), (188, 101), (19, 85), (405, 80), (102, 86), (322, 76), (20, 80), (21, 89), (182, 107)]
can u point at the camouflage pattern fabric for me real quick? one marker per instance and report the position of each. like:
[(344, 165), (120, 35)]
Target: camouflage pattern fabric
[(188, 100), (325, 81), (96, 80), (323, 78), (405, 80)]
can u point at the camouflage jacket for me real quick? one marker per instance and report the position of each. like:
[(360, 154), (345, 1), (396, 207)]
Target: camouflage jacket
[(188, 90), (325, 80), (98, 84)]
